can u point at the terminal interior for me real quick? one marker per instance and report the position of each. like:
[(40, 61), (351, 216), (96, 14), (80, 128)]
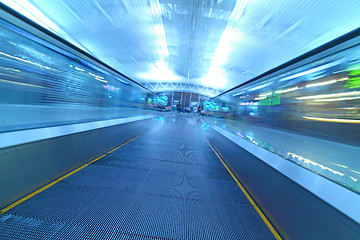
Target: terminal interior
[(179, 119)]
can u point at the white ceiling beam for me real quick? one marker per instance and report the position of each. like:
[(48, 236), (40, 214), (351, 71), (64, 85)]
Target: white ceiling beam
[(183, 87)]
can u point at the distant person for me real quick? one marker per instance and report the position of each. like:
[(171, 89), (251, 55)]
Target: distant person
[(195, 110)]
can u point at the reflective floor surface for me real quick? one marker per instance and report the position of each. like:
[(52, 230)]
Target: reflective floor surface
[(166, 184)]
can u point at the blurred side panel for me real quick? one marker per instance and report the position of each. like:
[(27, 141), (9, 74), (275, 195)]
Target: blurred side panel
[(46, 83), (307, 110), (42, 85)]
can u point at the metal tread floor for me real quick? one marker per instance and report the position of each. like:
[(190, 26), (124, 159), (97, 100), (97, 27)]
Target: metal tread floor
[(167, 184)]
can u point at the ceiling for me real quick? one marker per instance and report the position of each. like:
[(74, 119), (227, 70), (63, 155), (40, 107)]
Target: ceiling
[(203, 46)]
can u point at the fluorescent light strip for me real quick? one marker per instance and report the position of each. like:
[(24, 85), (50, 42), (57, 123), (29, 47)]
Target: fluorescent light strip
[(337, 120), (95, 75), (330, 95), (354, 68), (336, 99), (101, 80), (239, 93), (23, 84), (10, 69), (80, 69), (260, 86), (157, 29), (20, 59), (321, 83), (259, 98), (231, 34), (319, 68), (265, 94), (287, 90)]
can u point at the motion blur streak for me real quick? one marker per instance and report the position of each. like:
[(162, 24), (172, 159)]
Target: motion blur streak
[(52, 87), (332, 120), (330, 95), (19, 59), (311, 109)]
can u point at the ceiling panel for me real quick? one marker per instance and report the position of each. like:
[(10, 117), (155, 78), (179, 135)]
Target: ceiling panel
[(213, 43)]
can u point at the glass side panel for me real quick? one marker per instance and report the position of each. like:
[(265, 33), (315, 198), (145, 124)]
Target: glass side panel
[(309, 115), (40, 86)]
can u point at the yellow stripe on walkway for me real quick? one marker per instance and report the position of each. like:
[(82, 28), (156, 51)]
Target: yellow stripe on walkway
[(61, 178), (266, 221)]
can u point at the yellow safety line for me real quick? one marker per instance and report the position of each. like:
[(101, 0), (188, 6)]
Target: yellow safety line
[(268, 224), (61, 178)]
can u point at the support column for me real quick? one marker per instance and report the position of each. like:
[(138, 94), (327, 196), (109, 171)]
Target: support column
[(181, 103), (172, 99)]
